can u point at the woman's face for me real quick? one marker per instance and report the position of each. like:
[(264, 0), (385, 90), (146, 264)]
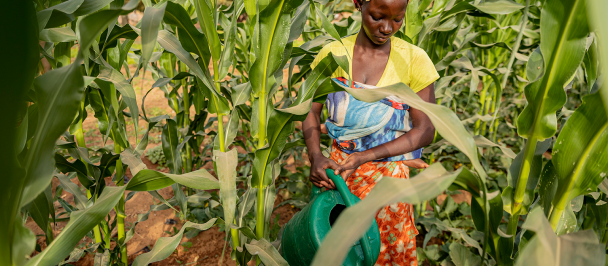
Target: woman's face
[(382, 18)]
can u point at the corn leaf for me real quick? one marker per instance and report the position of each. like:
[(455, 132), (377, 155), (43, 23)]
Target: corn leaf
[(267, 253), (580, 154), (170, 140), (81, 222), (149, 180), (499, 7), (58, 35), (545, 248), (207, 19), (563, 42), (165, 246), (150, 22), (226, 163), (192, 39)]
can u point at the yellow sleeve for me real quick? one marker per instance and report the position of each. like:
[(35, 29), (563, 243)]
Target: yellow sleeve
[(422, 71), (322, 54)]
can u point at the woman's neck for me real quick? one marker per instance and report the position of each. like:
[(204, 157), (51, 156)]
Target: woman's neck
[(365, 43)]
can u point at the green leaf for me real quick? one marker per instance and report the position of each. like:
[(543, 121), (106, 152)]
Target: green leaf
[(597, 10), (354, 221), (25, 244), (547, 187), (126, 91), (39, 210), (80, 199), (298, 21), (462, 256), (226, 163), (535, 68), (18, 70), (59, 92), (170, 140), (148, 180), (279, 129), (269, 40), (171, 44), (90, 6), (327, 26), (230, 41), (81, 222), (133, 160), (230, 130), (206, 17), (545, 248), (240, 94), (58, 14), (64, 34), (482, 142), (267, 253), (564, 33), (580, 154), (165, 246), (150, 22), (413, 19), (316, 78), (499, 7), (90, 27), (190, 37)]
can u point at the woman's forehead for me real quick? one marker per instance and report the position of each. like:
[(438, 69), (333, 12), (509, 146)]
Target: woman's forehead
[(387, 3)]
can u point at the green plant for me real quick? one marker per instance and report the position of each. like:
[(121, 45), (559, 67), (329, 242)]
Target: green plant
[(504, 66), (156, 156)]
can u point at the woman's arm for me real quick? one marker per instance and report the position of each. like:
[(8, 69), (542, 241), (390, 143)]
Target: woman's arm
[(312, 137), (421, 134)]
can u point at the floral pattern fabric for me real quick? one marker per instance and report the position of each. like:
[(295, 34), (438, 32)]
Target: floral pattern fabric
[(396, 221)]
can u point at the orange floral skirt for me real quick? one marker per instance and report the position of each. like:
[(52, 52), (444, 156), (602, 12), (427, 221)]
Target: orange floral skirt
[(396, 221)]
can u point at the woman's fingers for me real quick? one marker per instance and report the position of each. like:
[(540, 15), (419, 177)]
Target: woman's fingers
[(332, 185)]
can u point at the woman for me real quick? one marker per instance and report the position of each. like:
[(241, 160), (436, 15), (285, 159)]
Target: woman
[(372, 140)]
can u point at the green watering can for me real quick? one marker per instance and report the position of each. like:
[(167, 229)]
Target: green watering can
[(303, 234)]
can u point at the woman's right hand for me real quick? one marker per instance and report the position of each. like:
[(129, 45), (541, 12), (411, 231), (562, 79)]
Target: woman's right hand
[(317, 171)]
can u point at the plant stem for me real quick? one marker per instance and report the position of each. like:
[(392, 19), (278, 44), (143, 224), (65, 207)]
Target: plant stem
[(120, 208), (482, 100), (81, 143), (259, 228), (186, 97), (220, 131), (524, 173)]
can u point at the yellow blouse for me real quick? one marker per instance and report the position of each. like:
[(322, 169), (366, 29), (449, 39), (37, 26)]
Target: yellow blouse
[(406, 63)]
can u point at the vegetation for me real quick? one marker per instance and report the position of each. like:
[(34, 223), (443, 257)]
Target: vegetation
[(521, 119)]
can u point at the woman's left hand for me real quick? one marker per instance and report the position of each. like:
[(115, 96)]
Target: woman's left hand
[(350, 165)]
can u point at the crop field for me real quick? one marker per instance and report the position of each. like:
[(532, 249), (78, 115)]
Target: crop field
[(169, 132)]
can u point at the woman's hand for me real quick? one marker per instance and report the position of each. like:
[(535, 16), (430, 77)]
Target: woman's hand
[(318, 164), (416, 163), (350, 165)]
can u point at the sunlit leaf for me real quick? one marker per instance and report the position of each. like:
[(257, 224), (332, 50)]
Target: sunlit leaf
[(165, 246)]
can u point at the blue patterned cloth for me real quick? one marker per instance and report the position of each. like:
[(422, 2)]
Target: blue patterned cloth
[(357, 126)]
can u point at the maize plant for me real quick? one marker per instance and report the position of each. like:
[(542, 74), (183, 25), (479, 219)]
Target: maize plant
[(521, 120)]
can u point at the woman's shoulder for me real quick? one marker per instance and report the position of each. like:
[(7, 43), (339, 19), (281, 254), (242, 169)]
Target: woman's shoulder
[(402, 46), (337, 47), (344, 41)]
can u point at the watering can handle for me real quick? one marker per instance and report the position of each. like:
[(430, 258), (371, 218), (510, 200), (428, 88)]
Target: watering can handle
[(345, 193)]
